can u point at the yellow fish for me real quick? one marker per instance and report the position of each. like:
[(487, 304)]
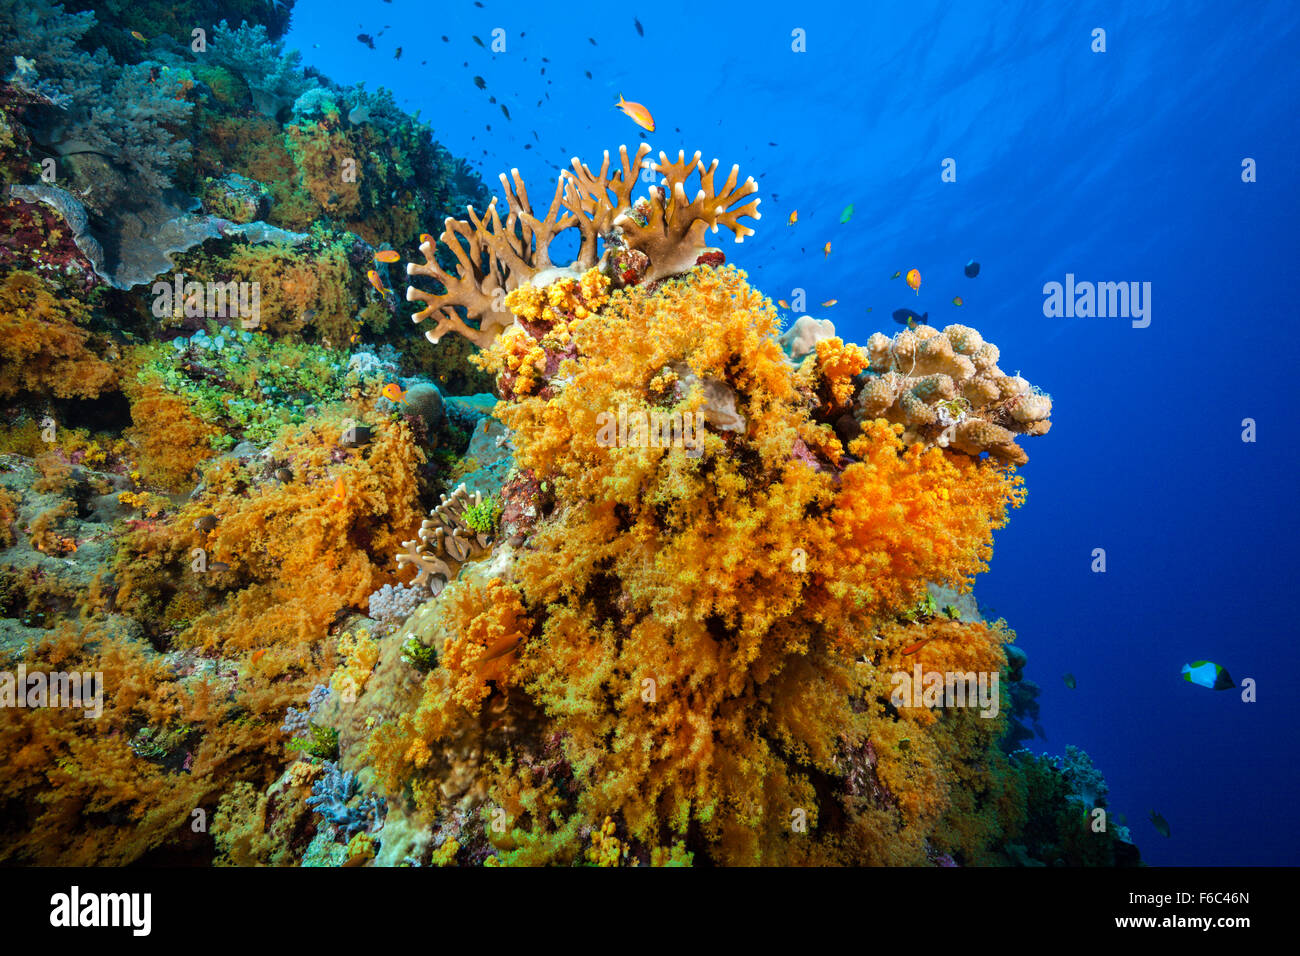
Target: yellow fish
[(140, 36), (896, 275), (828, 303), (425, 237), (339, 491), (393, 392), (794, 217), (914, 280), (638, 113), (386, 255), (827, 250), (782, 303), (375, 281)]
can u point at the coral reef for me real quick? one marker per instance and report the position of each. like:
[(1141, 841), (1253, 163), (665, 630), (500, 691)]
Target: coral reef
[(450, 536)]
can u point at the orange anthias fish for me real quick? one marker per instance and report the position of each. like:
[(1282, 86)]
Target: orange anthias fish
[(257, 654), (386, 255), (140, 36), (638, 113), (393, 392), (828, 303), (339, 491), (827, 250), (375, 281), (914, 280), (913, 648), (782, 303), (499, 649), (794, 217), (425, 237)]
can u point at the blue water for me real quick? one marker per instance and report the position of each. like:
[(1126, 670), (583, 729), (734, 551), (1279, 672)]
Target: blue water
[(1117, 166)]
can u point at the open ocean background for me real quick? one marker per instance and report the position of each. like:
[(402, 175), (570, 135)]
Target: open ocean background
[(1116, 166)]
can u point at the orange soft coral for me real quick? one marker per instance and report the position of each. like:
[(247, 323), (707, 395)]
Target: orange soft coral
[(171, 442), (705, 618), (43, 347)]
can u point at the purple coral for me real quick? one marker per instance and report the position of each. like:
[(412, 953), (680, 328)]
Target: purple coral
[(330, 796)]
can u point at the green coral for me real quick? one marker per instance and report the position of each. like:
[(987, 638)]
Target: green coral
[(321, 743), (419, 655), (245, 383), (483, 516)]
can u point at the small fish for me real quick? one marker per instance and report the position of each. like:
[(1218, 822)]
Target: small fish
[(896, 275), (386, 255), (206, 523), (847, 214), (591, 41), (257, 655), (354, 338), (972, 269), (826, 251), (910, 319), (477, 40), (913, 648), (1208, 674), (956, 300), (782, 303), (398, 54), (504, 110), (218, 566), (284, 474), (339, 491), (1069, 680), (638, 113), (426, 238), (1161, 824), (375, 281), (140, 36), (367, 39), (914, 280), (794, 217), (829, 302), (393, 392), (588, 72), (499, 649), (640, 30), (480, 82)]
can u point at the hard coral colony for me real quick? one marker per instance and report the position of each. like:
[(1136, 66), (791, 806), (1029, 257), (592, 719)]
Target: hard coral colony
[(679, 562)]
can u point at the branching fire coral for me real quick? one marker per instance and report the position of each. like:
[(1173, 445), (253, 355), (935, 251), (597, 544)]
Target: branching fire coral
[(665, 232)]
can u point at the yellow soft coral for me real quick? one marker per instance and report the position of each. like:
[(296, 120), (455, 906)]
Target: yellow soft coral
[(43, 348)]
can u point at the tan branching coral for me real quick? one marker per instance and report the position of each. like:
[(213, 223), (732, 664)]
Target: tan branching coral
[(494, 257), (445, 536), (946, 390)]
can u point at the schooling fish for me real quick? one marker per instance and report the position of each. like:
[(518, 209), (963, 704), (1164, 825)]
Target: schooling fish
[(910, 319), (367, 39), (393, 392), (1160, 823), (827, 250), (914, 280), (480, 82), (829, 302), (640, 30), (896, 275), (782, 303), (794, 217), (477, 40), (1069, 680), (847, 214), (1208, 674), (637, 113), (972, 269), (386, 255)]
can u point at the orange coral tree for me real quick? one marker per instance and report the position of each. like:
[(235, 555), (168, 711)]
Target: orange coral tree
[(704, 625)]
